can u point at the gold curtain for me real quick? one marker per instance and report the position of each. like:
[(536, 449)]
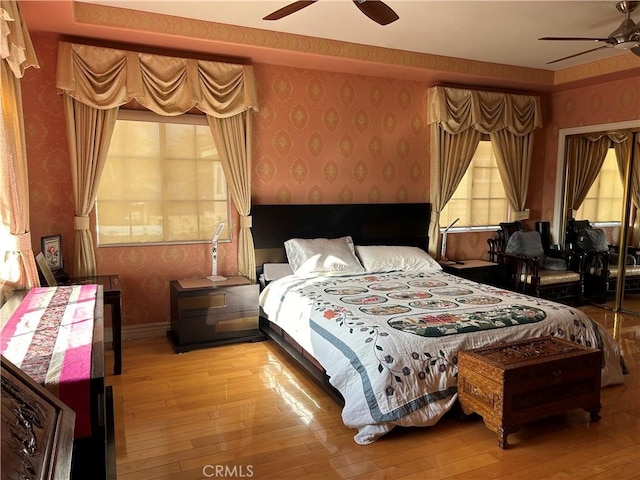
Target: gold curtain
[(17, 268), (451, 155), (106, 78), (513, 157), (233, 134), (509, 119), (622, 145), (89, 132), (585, 156)]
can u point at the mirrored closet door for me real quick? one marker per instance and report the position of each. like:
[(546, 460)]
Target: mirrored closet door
[(598, 185)]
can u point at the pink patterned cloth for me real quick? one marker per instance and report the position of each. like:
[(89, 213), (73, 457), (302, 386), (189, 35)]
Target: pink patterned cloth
[(49, 337)]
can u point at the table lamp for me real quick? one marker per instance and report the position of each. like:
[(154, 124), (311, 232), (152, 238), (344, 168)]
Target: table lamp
[(443, 251), (214, 256)]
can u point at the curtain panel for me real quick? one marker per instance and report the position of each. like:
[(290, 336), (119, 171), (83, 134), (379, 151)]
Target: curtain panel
[(510, 120), (623, 145), (17, 263), (584, 160), (233, 134), (106, 78)]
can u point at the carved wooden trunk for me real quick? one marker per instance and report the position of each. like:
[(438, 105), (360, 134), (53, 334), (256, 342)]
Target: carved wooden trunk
[(509, 384)]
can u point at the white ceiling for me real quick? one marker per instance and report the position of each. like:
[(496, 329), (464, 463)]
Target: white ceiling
[(503, 32)]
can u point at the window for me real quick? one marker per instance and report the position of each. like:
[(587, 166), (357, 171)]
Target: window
[(162, 182), (603, 203), (479, 200)]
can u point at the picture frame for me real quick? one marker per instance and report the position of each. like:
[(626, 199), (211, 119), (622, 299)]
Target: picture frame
[(51, 246)]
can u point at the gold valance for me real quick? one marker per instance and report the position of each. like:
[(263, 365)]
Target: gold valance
[(456, 110), (615, 137), (107, 78)]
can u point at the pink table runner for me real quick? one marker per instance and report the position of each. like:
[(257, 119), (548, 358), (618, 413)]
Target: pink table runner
[(49, 337)]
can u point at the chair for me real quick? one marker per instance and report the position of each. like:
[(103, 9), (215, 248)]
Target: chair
[(631, 270), (581, 237), (498, 243), (557, 276), (601, 260)]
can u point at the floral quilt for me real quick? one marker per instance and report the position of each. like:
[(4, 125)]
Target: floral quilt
[(389, 341)]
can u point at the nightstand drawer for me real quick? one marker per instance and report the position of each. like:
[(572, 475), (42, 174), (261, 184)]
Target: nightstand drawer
[(220, 303)]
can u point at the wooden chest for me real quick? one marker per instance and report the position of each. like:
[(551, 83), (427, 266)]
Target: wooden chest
[(509, 384)]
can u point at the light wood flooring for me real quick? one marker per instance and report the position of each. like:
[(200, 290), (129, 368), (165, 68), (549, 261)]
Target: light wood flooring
[(246, 411)]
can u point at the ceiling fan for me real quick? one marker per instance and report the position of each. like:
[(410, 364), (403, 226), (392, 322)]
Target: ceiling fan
[(626, 36), (376, 10)]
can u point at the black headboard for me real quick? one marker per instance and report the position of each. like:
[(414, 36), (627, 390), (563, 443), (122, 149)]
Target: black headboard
[(368, 224)]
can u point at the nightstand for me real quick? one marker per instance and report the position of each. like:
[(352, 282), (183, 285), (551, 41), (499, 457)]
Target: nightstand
[(206, 313), (480, 271)]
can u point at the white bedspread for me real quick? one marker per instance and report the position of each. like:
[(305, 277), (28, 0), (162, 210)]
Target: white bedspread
[(389, 341)]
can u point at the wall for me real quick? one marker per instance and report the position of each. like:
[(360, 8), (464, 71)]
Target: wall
[(145, 272), (324, 137), (607, 102), (319, 137)]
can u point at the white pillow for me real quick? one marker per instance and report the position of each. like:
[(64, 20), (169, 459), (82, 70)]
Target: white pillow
[(275, 271), (377, 259), (322, 255)]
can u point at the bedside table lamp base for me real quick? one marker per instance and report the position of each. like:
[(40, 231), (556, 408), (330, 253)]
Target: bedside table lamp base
[(216, 278)]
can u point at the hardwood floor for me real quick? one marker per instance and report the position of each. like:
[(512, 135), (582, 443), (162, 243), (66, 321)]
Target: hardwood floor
[(246, 411)]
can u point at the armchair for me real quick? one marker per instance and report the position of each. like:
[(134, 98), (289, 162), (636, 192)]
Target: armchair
[(498, 243), (581, 237), (601, 261), (631, 270), (557, 276)]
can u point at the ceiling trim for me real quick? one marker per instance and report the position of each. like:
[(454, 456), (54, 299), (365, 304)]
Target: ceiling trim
[(265, 46), (100, 23)]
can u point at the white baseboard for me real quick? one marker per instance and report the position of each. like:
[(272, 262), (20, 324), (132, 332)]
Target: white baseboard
[(139, 332)]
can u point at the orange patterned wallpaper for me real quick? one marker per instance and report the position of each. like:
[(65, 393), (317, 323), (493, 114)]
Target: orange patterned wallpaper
[(323, 137), (607, 102), (319, 137)]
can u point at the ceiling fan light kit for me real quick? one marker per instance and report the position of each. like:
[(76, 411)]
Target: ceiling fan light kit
[(376, 10), (625, 37)]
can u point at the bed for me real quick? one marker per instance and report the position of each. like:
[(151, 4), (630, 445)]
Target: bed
[(349, 291)]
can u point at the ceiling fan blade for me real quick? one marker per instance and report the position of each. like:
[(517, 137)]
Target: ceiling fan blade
[(288, 10), (592, 39), (377, 11), (577, 54)]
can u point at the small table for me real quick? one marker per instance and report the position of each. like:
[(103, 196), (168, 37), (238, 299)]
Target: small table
[(206, 313), (112, 296), (480, 271)]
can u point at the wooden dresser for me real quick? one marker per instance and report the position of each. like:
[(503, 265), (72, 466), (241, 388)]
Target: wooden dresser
[(509, 384), (206, 314)]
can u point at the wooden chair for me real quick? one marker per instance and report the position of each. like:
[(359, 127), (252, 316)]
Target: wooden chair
[(601, 263), (498, 243), (596, 261), (558, 276)]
